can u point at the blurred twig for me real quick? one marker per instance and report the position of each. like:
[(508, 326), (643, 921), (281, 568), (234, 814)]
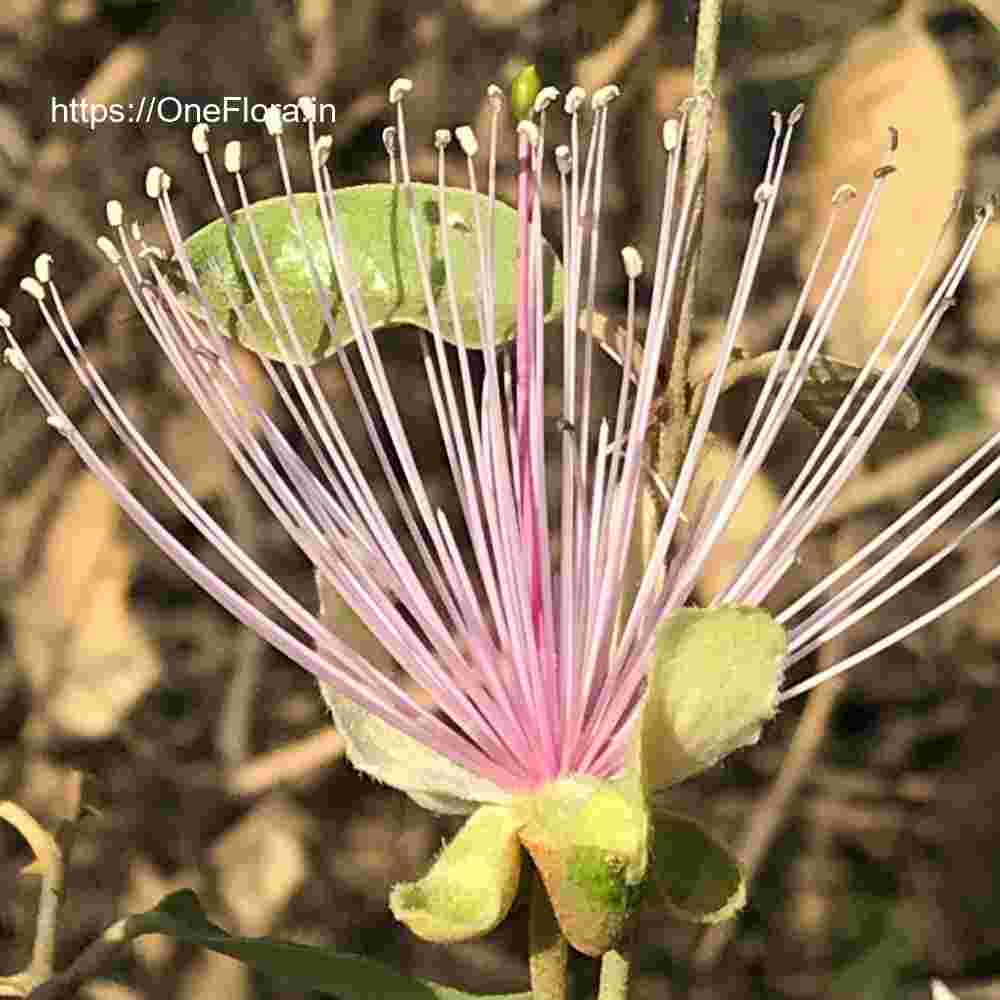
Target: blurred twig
[(289, 763), (236, 717), (112, 79), (608, 63), (901, 476), (51, 854)]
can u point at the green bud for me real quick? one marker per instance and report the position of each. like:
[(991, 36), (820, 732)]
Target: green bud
[(523, 92), (588, 840), (712, 685), (472, 885)]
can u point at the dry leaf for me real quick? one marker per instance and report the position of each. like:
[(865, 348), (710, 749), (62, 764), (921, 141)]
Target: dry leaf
[(211, 975), (888, 76), (147, 885), (759, 502), (261, 864), (87, 659)]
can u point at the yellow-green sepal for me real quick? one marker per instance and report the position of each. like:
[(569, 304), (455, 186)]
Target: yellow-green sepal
[(713, 683), (380, 750), (472, 885), (691, 873), (588, 839)]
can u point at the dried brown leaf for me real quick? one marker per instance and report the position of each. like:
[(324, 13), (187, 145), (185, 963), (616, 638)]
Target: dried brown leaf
[(745, 526), (86, 657), (888, 76)]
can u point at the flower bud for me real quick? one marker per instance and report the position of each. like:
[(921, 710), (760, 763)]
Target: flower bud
[(588, 840)]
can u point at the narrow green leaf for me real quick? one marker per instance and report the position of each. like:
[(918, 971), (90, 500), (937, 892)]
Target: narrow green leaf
[(374, 226), (827, 385), (350, 977), (691, 873)]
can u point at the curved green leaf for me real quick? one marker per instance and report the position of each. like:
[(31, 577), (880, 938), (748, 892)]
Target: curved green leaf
[(350, 977), (374, 225), (826, 386)]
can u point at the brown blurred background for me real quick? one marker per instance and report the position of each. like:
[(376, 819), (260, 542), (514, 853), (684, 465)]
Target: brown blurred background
[(870, 812)]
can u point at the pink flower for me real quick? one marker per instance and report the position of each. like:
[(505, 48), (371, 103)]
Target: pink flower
[(535, 649)]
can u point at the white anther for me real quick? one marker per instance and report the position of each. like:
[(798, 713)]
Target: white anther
[(844, 193), (307, 105), (272, 120), (323, 149), (564, 159), (136, 230), (14, 356), (109, 250), (199, 138), (495, 95), (671, 134), (457, 221), (59, 423), (154, 182), (764, 192), (232, 156), (603, 97), (389, 139), (530, 131), (442, 138), (114, 212), (43, 268), (33, 288), (575, 97), (546, 96), (5, 320), (467, 140), (632, 261), (399, 89)]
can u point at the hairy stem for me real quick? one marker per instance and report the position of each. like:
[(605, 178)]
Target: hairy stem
[(616, 967), (548, 957), (706, 64)]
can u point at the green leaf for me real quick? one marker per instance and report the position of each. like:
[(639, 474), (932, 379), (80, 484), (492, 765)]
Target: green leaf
[(374, 227), (691, 873), (826, 386), (471, 886), (350, 977), (712, 685)]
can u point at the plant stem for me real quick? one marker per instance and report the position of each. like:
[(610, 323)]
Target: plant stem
[(615, 970), (706, 64), (548, 957)]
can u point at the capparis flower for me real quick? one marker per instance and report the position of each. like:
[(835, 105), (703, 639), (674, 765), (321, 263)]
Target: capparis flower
[(568, 678)]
